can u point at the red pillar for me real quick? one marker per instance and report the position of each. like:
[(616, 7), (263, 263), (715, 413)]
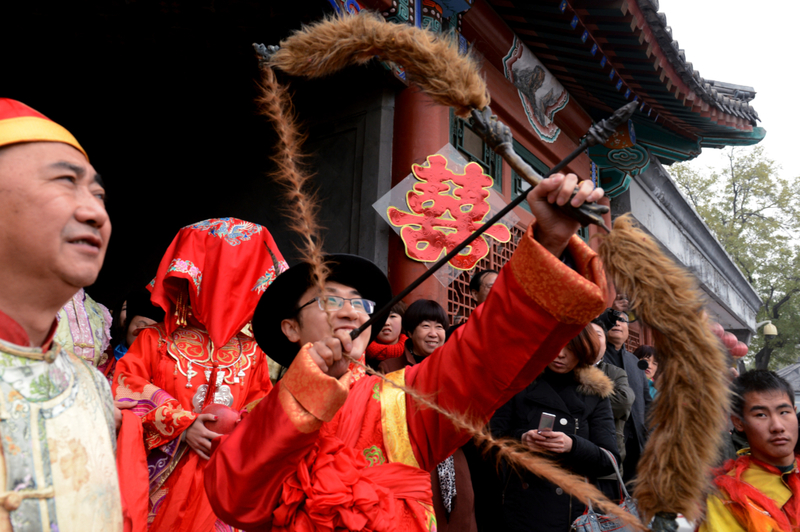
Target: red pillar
[(421, 128)]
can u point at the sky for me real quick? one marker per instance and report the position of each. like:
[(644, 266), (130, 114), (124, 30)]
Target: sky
[(747, 43)]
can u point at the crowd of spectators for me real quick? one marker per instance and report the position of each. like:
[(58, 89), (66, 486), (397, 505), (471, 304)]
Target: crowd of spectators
[(596, 394)]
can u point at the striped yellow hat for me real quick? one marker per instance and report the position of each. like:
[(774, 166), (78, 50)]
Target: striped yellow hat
[(20, 123)]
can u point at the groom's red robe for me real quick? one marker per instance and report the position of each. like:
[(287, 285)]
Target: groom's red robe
[(322, 454)]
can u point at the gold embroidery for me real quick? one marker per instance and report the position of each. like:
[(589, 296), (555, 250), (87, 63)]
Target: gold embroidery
[(565, 294), (302, 419), (393, 421), (189, 345)]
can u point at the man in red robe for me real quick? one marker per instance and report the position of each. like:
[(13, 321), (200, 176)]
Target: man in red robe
[(324, 451)]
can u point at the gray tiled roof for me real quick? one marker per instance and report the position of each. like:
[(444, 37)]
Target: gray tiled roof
[(791, 374), (720, 95)]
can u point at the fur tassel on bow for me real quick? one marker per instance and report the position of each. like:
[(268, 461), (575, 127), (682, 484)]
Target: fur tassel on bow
[(688, 419)]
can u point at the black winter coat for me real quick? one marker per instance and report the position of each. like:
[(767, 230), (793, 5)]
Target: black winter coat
[(583, 411)]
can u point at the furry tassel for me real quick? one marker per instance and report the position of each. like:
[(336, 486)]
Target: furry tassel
[(431, 61), (276, 105), (688, 417)]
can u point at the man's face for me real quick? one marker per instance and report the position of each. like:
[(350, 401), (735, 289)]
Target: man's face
[(487, 281), (601, 336), (54, 227), (313, 324), (770, 424), (618, 334)]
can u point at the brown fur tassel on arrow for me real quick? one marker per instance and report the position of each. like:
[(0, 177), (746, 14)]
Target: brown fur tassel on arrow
[(275, 104), (431, 61), (688, 418)]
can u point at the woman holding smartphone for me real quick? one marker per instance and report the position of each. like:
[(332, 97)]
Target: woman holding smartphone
[(566, 414)]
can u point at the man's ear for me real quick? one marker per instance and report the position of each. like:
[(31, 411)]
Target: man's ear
[(737, 423), (291, 329)]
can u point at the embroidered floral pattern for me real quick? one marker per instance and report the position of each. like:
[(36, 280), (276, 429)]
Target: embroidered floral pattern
[(233, 231), (264, 281), (191, 344), (374, 456), (165, 423), (35, 380), (186, 266)]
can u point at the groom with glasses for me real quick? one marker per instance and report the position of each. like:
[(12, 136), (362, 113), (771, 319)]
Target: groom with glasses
[(333, 449), (350, 296)]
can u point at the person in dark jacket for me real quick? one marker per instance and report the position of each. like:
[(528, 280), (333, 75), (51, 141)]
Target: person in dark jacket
[(621, 404), (577, 393), (636, 431)]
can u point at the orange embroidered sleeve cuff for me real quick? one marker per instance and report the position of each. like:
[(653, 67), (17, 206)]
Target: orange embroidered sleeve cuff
[(572, 297), (165, 423), (317, 393)]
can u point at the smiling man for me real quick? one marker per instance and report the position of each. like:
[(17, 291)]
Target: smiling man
[(331, 449), (57, 467), (760, 489)]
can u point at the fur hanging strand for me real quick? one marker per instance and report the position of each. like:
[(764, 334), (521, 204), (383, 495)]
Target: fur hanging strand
[(431, 61), (689, 415), (275, 104)]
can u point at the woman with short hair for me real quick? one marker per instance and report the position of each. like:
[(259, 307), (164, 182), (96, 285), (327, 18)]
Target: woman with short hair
[(425, 323)]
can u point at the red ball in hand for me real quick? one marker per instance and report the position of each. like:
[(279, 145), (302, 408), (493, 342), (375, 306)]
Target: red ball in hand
[(226, 418)]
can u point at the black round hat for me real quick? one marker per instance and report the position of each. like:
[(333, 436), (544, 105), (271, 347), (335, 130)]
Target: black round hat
[(280, 300)]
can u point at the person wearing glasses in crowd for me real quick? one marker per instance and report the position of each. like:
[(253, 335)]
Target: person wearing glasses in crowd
[(636, 431), (331, 449), (207, 284)]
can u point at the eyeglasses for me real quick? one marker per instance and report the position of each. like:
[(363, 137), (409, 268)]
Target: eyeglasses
[(334, 303)]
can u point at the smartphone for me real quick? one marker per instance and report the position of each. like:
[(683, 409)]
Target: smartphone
[(547, 421)]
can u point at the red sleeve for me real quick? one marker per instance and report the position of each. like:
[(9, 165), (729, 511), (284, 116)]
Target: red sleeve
[(163, 417), (260, 384), (244, 478), (245, 475), (537, 304), (132, 470)]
